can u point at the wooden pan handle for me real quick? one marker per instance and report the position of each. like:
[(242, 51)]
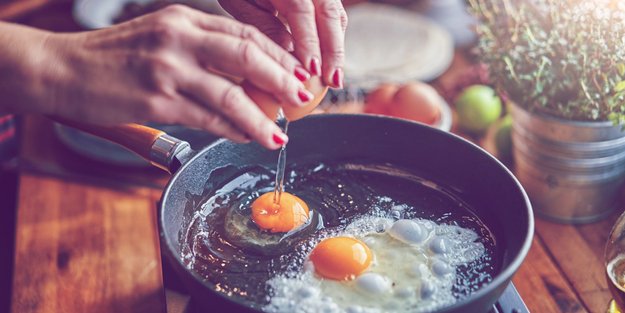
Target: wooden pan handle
[(134, 137)]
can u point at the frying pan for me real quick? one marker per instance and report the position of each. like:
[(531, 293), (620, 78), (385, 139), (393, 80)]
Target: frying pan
[(475, 176)]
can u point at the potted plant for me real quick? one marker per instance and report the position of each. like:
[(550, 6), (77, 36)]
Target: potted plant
[(561, 64)]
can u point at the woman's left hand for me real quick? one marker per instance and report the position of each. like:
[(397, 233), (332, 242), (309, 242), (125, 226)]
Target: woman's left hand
[(315, 30)]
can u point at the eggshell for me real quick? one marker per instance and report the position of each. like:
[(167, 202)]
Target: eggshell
[(266, 102), (270, 105), (379, 100), (418, 102)]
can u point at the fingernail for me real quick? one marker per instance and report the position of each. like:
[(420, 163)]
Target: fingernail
[(301, 74), (315, 66), (337, 78), (304, 95), (280, 138)]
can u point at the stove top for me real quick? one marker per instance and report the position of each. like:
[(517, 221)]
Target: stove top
[(510, 302), (178, 302)]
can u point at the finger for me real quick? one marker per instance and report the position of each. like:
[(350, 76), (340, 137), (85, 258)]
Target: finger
[(266, 4), (230, 101), (330, 20), (245, 59), (266, 23), (300, 16), (196, 115), (183, 110), (343, 15)]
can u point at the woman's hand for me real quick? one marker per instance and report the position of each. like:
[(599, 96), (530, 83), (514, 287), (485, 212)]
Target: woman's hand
[(169, 67), (317, 30)]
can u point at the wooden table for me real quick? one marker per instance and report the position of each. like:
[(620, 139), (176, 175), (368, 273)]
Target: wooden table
[(87, 238)]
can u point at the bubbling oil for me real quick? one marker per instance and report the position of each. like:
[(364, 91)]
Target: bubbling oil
[(224, 246)]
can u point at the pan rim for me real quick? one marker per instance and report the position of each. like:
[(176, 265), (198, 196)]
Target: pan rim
[(501, 279)]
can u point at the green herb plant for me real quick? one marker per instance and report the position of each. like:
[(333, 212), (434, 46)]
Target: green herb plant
[(563, 58)]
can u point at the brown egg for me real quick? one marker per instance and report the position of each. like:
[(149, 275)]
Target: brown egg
[(378, 100), (270, 105), (418, 102)]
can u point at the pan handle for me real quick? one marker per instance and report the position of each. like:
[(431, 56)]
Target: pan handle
[(160, 149)]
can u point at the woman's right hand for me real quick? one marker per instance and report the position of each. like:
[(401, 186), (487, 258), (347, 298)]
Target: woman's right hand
[(171, 66)]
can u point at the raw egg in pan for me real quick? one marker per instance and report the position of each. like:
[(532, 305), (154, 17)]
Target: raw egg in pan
[(408, 266), (289, 213), (341, 258), (358, 237)]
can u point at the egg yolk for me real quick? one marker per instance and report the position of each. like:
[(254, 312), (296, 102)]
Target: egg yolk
[(289, 214), (340, 258)]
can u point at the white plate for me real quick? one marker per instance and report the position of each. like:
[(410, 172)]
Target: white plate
[(389, 44), (94, 14)]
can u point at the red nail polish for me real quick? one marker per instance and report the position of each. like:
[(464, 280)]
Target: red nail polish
[(337, 78), (315, 67), (301, 74), (278, 138), (304, 95)]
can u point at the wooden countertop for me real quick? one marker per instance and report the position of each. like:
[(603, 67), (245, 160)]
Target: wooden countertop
[(87, 238)]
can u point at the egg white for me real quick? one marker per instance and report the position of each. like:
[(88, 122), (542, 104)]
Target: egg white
[(413, 269)]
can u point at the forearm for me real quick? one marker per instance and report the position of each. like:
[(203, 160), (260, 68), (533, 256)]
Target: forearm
[(163, 67), (24, 81)]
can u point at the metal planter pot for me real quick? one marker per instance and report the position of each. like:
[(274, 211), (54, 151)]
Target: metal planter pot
[(573, 171)]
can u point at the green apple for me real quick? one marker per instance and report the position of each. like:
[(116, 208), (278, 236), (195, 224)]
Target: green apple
[(503, 140), (478, 106)]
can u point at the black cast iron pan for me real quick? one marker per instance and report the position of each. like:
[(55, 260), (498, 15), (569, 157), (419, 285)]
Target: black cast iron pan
[(480, 180)]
